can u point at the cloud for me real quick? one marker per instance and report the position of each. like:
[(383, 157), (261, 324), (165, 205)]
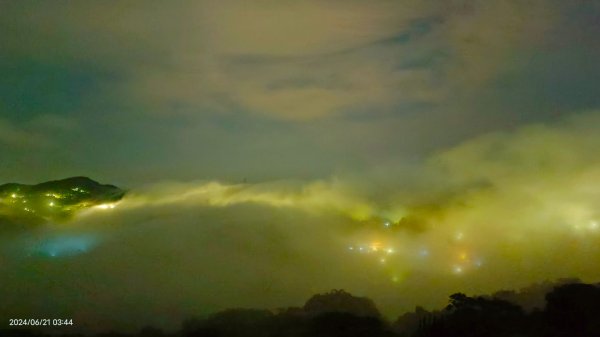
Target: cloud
[(289, 28), (291, 61), (36, 133), (531, 183), (320, 196), (487, 214), (14, 136), (53, 123), (484, 37)]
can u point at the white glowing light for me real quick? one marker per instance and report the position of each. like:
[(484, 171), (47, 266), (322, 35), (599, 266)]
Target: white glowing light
[(351, 248), (387, 224), (593, 225), (51, 204), (13, 195), (457, 269), (106, 206), (382, 260), (389, 251)]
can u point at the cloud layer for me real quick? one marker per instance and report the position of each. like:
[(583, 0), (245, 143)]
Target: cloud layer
[(484, 215), (207, 90)]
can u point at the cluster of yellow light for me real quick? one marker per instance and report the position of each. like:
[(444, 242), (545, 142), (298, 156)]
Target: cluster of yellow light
[(382, 253), (463, 260), (458, 255), (55, 195), (376, 246), (373, 247), (14, 198)]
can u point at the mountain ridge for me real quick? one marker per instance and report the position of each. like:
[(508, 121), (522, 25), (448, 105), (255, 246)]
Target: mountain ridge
[(25, 205)]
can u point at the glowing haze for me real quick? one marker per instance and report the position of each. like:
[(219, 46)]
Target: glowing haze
[(400, 150)]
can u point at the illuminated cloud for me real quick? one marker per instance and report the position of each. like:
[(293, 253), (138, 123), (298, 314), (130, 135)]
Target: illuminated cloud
[(212, 90), (297, 60), (401, 150), (509, 202)]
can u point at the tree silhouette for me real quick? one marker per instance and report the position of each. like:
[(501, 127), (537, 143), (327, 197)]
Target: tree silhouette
[(574, 310), (477, 316)]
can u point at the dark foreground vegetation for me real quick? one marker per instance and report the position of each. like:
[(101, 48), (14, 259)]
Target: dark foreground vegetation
[(570, 310)]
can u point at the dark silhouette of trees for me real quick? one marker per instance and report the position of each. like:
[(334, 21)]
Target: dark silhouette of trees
[(150, 331), (477, 316), (343, 324), (571, 310), (341, 301), (412, 323), (533, 296), (332, 314), (231, 323)]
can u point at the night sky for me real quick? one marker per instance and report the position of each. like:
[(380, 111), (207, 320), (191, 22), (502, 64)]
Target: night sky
[(400, 150)]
